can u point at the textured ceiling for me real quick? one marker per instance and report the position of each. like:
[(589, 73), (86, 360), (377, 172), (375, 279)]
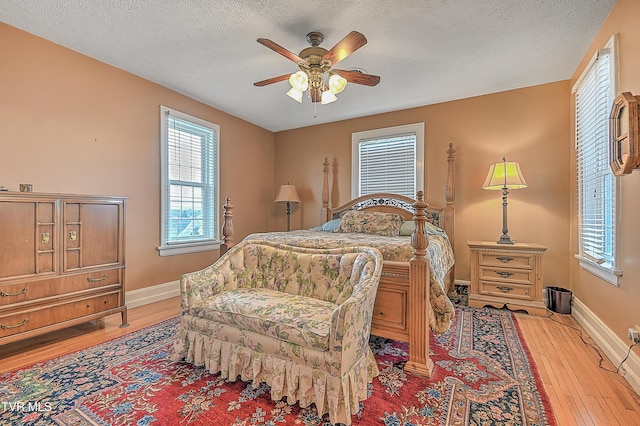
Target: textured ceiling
[(425, 51)]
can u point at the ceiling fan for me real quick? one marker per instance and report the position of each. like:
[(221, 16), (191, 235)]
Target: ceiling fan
[(316, 74)]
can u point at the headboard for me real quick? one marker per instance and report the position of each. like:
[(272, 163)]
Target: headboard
[(442, 217)]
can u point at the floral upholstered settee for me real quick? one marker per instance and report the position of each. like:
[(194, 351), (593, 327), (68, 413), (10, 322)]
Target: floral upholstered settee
[(295, 318)]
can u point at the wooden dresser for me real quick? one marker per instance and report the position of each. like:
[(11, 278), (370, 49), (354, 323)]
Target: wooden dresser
[(507, 275), (61, 261)]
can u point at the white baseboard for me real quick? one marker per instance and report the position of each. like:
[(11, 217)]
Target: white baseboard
[(612, 346), (156, 293)]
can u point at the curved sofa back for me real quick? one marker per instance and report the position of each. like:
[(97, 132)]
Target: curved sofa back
[(331, 275)]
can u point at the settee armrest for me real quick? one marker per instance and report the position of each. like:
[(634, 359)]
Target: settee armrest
[(351, 320), (199, 287)]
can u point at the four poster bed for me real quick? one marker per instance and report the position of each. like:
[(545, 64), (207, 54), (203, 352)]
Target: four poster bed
[(416, 241)]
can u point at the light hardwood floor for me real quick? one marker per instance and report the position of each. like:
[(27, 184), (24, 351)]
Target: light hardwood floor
[(581, 393)]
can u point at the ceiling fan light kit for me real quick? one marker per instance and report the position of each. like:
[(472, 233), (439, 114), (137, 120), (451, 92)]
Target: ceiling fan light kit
[(316, 78)]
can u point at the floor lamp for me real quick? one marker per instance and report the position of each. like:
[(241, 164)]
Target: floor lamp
[(288, 194), (504, 176)]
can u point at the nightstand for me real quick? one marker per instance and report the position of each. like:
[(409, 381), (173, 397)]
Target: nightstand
[(507, 275)]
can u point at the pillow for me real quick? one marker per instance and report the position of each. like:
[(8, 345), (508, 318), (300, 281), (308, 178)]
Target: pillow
[(408, 226), (378, 223), (328, 226)]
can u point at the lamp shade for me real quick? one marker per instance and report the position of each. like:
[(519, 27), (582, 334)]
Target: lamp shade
[(299, 81), (287, 193), (328, 97), (506, 174), (295, 94), (337, 83)]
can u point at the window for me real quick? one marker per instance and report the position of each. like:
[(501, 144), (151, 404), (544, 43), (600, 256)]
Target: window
[(189, 180), (597, 186), (388, 160)]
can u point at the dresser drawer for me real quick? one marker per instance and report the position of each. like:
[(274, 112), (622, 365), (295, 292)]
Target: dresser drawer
[(41, 316), (29, 291), (506, 290), (509, 260), (520, 276)]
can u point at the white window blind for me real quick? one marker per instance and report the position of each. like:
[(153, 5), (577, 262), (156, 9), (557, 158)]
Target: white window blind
[(596, 182), (388, 160), (388, 165), (189, 183)]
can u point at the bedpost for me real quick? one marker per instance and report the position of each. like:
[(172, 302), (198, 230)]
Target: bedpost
[(325, 190), (449, 211), (419, 237), (227, 226), (450, 192), (418, 321)]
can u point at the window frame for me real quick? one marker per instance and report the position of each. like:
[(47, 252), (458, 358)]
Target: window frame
[(382, 133), (609, 273), (211, 190)]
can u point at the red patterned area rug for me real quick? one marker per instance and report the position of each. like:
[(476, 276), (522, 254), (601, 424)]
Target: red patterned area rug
[(483, 375)]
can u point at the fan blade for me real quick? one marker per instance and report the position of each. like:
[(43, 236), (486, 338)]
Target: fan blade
[(281, 50), (345, 47), (358, 77), (272, 80)]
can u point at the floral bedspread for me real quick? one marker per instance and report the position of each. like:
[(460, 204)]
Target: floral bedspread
[(398, 249), (439, 253)]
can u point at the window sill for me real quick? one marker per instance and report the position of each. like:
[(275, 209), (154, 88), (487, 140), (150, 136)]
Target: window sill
[(606, 274), (184, 248)]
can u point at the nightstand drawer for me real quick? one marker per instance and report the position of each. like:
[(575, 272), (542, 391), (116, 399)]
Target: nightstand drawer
[(518, 276), (510, 260), (506, 290)]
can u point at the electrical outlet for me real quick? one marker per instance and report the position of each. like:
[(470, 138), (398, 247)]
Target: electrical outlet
[(634, 334)]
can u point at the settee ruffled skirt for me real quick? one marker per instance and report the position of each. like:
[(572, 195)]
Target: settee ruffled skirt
[(301, 374)]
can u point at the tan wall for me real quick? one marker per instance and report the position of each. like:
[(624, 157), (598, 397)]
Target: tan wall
[(618, 307), (72, 124), (529, 125)]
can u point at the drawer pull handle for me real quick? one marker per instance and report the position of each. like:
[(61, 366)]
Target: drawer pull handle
[(505, 289), (24, 291), (24, 322), (505, 259), (504, 274), (95, 280)]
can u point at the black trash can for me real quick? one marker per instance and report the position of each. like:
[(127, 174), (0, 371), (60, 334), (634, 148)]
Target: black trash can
[(559, 299)]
